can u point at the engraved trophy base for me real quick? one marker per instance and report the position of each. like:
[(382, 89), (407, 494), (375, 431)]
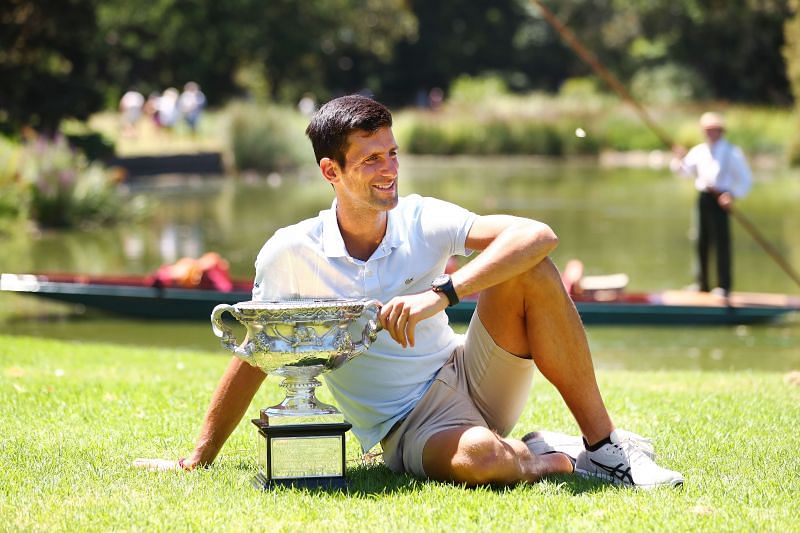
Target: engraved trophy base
[(302, 455)]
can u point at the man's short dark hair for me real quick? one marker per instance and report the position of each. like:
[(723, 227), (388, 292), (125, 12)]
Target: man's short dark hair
[(336, 120)]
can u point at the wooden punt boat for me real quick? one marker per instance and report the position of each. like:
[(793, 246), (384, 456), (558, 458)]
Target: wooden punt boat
[(135, 296)]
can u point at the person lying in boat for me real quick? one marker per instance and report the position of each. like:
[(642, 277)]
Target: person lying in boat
[(209, 271), (441, 405), (607, 288)]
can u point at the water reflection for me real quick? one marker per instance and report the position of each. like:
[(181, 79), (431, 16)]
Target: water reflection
[(616, 220), (759, 348)]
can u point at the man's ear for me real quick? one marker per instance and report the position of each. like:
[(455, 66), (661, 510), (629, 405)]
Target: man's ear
[(330, 170)]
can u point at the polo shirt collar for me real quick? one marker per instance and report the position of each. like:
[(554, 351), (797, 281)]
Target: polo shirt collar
[(333, 243)]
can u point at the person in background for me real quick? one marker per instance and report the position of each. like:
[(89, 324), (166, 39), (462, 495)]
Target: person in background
[(168, 111), (130, 108), (151, 108), (721, 175), (191, 104)]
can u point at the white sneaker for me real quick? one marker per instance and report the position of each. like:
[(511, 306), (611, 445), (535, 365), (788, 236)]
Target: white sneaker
[(545, 442), (623, 461)]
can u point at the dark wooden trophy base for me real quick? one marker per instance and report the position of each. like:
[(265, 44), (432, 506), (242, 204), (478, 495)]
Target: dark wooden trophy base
[(267, 479)]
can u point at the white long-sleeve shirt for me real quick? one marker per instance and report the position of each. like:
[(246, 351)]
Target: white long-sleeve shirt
[(720, 166)]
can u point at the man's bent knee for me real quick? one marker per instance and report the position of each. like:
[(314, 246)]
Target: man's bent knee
[(474, 456), (505, 308)]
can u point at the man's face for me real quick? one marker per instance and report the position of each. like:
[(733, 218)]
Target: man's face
[(713, 134), (369, 177)]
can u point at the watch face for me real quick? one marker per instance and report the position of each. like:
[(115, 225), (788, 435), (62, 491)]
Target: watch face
[(440, 280)]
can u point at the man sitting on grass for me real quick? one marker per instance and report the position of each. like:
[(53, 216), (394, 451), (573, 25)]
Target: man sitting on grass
[(440, 404)]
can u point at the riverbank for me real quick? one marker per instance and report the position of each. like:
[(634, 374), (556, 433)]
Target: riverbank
[(261, 137), (83, 411)]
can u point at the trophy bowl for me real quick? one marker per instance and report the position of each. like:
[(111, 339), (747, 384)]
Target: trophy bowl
[(298, 339), (296, 333), (303, 439)]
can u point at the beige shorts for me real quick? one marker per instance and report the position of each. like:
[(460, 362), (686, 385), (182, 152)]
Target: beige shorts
[(481, 385)]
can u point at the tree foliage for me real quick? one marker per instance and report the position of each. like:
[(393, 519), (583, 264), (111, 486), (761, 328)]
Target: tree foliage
[(48, 62), (791, 51), (72, 57)]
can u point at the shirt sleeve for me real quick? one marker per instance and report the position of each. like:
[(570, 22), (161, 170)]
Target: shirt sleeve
[(687, 166), (742, 178), (274, 279), (446, 225)]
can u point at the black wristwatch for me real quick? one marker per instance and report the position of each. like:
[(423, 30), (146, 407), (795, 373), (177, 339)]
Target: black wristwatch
[(444, 284)]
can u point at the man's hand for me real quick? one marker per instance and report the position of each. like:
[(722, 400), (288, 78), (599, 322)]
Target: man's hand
[(400, 315), (725, 200), (678, 151)]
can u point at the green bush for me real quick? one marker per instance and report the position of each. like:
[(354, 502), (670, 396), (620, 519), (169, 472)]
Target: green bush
[(793, 149), (267, 138), (471, 90), (13, 194), (451, 133), (63, 189)]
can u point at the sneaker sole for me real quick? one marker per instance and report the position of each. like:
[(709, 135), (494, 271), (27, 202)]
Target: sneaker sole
[(676, 483)]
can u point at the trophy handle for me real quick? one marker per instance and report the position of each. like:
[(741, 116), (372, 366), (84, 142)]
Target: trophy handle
[(221, 330), (371, 329)]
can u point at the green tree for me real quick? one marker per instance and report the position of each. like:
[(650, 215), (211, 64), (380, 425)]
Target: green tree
[(48, 62), (791, 53), (292, 46), (733, 45)]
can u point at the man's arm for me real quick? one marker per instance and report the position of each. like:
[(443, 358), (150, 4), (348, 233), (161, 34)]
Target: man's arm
[(229, 402), (511, 245)]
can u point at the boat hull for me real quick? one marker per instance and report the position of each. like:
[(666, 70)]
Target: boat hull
[(196, 304)]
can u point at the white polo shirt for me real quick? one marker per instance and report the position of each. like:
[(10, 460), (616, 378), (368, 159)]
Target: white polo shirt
[(309, 260)]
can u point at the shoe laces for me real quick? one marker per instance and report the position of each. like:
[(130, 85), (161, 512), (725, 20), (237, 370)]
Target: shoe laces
[(634, 454)]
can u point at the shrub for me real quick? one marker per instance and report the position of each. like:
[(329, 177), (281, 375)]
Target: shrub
[(13, 195), (267, 138), (793, 149), (451, 133), (471, 90), (63, 189)]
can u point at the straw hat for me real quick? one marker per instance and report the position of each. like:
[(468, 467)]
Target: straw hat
[(711, 120)]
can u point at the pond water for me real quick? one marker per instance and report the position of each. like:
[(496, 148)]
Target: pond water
[(633, 220)]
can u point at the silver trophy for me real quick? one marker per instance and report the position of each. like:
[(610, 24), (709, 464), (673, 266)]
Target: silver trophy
[(303, 438)]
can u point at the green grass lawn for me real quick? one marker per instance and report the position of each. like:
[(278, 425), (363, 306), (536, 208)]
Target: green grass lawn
[(74, 416)]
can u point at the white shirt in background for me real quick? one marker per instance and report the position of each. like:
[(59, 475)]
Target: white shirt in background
[(720, 166)]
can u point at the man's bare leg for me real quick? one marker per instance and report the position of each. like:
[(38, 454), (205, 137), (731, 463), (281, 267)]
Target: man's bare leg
[(529, 316), (533, 316), (476, 455)]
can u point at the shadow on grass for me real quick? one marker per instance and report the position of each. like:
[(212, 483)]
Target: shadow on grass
[(368, 480)]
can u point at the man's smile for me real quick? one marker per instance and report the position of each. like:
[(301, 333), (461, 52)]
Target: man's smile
[(386, 186)]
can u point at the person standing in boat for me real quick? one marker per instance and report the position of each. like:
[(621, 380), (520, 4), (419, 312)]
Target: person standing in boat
[(721, 175)]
